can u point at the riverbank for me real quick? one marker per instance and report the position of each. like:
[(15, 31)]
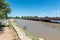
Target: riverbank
[(8, 34), (45, 30), (23, 34)]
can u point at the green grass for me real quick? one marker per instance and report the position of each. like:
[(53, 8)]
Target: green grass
[(26, 33), (10, 25)]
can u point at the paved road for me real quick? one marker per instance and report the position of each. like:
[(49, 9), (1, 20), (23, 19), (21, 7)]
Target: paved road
[(48, 31)]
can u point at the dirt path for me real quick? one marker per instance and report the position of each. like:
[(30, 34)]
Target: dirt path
[(7, 34)]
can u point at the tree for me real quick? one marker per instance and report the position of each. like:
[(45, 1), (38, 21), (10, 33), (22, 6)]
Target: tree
[(4, 9), (35, 17), (1, 15), (22, 17), (17, 17)]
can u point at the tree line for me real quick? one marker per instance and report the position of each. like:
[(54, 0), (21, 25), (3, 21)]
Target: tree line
[(24, 17), (28, 17)]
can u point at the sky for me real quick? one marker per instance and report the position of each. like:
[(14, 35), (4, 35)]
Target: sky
[(39, 8)]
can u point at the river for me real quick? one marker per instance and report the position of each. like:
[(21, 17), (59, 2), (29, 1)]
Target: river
[(46, 30)]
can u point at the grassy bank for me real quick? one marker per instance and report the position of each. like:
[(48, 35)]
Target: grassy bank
[(26, 33), (10, 25), (29, 35), (14, 34)]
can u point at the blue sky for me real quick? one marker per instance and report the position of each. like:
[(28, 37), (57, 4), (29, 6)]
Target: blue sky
[(39, 8)]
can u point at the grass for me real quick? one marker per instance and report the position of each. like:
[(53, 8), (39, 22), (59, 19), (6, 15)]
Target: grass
[(26, 33), (10, 25)]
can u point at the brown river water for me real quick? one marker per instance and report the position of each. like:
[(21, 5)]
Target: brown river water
[(45, 30)]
